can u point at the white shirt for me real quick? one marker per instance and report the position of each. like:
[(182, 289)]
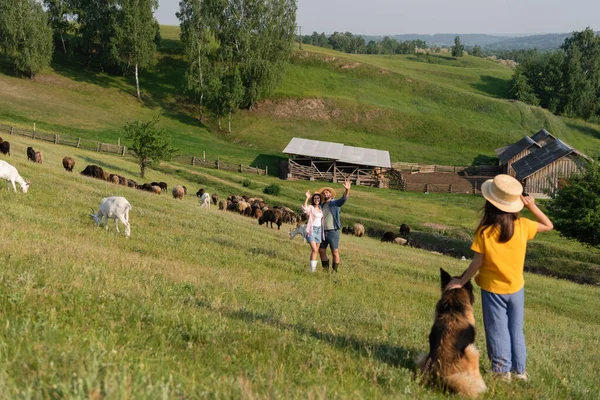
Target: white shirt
[(318, 218)]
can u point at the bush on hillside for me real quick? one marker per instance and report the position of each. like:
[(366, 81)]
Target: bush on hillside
[(273, 189), (246, 183)]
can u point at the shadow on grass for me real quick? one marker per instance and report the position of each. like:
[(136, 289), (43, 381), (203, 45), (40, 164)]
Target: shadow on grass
[(113, 168), (495, 87), (395, 356), (269, 160), (586, 130)]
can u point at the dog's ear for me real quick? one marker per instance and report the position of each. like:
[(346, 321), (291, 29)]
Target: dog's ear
[(446, 278)]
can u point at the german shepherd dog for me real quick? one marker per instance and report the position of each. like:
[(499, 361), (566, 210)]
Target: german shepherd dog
[(453, 360)]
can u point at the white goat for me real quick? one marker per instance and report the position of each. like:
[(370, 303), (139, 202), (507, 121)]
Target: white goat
[(116, 208), (10, 174), (205, 200), (301, 230)]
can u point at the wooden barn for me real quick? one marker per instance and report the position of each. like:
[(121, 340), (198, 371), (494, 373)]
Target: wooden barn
[(544, 168), (334, 162), (510, 154)]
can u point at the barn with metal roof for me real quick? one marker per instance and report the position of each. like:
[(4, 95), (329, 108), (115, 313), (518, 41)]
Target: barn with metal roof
[(335, 162), (541, 162)]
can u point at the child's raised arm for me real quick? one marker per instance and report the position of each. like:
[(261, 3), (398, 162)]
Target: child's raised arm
[(544, 223)]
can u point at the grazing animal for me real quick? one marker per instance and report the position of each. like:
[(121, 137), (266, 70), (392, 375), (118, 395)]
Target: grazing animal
[(116, 208), (453, 359), (258, 213), (156, 189), (5, 148), (184, 190), (131, 183), (215, 198), (300, 230), (358, 230), (271, 216), (222, 205), (10, 174), (93, 171), (388, 237), (68, 164), (401, 241), (30, 154), (114, 178), (163, 186), (39, 157), (205, 200), (178, 192), (404, 230)]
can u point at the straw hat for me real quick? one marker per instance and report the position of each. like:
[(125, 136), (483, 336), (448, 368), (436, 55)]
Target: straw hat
[(320, 191), (504, 192)]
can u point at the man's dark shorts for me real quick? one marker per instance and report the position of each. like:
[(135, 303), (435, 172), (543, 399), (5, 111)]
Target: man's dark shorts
[(332, 238)]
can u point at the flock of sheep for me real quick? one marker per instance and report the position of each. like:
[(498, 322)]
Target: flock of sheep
[(117, 208)]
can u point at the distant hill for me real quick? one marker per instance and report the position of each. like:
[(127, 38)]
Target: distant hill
[(489, 42)]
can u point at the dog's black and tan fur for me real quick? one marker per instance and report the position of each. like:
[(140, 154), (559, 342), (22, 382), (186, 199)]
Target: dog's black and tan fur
[(453, 359)]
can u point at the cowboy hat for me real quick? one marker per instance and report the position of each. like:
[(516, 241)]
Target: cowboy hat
[(320, 191), (504, 192)]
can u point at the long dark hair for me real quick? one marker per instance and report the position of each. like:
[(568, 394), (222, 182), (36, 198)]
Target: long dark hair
[(495, 218), (312, 199)]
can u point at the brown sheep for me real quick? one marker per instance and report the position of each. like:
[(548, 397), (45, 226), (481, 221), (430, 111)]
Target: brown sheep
[(215, 198), (271, 216), (39, 157), (68, 164), (132, 184), (93, 171), (105, 175), (258, 213), (123, 181), (114, 178), (156, 189), (358, 230), (178, 192), (222, 205)]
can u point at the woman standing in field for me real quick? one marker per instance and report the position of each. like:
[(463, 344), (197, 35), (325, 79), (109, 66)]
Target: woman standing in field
[(500, 243), (314, 226)]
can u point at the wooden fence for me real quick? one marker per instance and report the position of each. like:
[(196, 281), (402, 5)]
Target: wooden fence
[(438, 188), (65, 140), (473, 170), (220, 164)]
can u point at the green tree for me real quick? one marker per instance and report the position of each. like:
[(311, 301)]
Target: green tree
[(149, 143), (575, 209), (521, 89), (458, 48), (137, 32), (477, 51), (25, 36), (195, 23), (58, 12)]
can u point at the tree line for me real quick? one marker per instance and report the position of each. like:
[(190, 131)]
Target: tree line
[(565, 81), (236, 50), (355, 44)]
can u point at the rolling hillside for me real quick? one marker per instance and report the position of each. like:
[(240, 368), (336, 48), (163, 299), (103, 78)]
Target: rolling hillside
[(206, 303), (429, 110)]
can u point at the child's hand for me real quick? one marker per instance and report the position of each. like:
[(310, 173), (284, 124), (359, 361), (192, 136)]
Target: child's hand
[(454, 284), (528, 201)]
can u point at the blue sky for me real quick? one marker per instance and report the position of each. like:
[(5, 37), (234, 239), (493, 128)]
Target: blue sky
[(387, 17)]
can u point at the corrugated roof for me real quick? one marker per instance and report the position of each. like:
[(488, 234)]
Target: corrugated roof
[(339, 152), (314, 148), (541, 157), (515, 149), (541, 135)]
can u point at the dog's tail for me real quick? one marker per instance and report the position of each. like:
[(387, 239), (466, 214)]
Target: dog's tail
[(465, 384)]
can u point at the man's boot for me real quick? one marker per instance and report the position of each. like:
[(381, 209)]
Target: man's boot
[(325, 265), (334, 266)]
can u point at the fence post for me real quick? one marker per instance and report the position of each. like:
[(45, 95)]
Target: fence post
[(12, 130), (194, 161), (450, 188), (204, 156), (124, 150), (218, 167), (240, 167), (266, 170), (78, 142), (427, 188), (475, 188), (98, 149), (119, 141), (55, 139), (33, 134)]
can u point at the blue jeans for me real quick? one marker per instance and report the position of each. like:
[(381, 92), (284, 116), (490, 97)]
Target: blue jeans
[(332, 238), (503, 317)]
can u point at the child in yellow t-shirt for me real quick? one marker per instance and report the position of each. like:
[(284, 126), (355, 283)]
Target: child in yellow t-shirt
[(500, 243)]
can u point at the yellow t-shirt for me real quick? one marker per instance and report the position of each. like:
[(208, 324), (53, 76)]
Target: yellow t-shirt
[(502, 268)]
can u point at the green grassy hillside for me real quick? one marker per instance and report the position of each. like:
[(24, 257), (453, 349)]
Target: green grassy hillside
[(205, 303), (422, 109)]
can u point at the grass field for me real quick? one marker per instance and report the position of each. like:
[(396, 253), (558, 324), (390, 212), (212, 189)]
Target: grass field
[(204, 303)]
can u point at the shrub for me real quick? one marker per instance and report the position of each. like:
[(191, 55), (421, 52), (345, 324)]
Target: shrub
[(273, 189), (246, 183)]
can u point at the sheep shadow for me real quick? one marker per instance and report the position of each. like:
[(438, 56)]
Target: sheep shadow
[(393, 355)]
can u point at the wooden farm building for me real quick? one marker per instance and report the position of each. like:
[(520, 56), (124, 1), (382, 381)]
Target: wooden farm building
[(540, 162), (334, 162)]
